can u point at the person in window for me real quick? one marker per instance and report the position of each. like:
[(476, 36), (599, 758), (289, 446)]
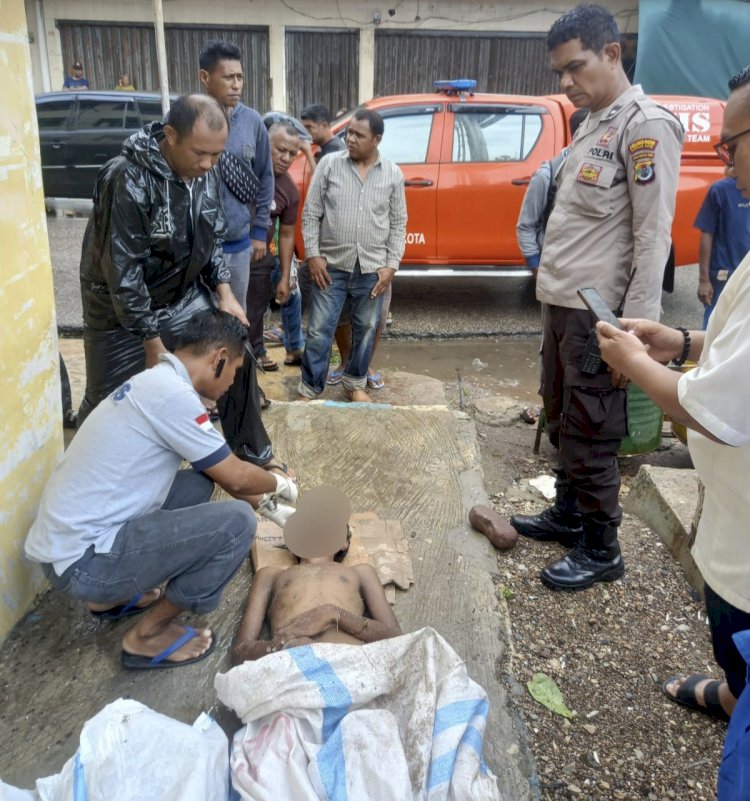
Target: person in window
[(124, 84), (75, 82)]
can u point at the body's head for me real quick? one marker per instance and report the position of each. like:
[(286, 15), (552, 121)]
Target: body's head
[(195, 133), (284, 140), (734, 147), (585, 53), (124, 79), (319, 528), (221, 72), (363, 134), (212, 348), (76, 70), (317, 121)]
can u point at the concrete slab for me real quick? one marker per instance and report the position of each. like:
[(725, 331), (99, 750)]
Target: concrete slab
[(417, 465), (666, 499)]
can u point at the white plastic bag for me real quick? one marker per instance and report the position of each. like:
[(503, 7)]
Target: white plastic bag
[(128, 752)]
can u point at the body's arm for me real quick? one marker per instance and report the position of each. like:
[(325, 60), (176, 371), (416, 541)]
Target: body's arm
[(264, 168), (286, 251), (530, 216), (247, 481), (381, 624), (247, 646), (638, 353), (651, 156), (705, 289)]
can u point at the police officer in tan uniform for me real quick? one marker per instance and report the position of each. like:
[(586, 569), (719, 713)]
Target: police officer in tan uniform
[(612, 216)]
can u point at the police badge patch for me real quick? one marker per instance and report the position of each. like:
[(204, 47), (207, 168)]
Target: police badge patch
[(643, 152), (589, 173)]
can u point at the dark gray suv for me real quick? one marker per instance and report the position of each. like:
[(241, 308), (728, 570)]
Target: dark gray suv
[(80, 131)]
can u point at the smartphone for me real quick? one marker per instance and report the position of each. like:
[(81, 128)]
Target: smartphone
[(596, 305)]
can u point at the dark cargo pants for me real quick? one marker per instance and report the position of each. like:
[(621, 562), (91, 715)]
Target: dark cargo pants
[(586, 415)]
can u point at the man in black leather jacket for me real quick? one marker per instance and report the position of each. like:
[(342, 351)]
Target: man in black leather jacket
[(152, 258)]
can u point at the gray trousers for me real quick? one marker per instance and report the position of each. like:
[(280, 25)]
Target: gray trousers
[(192, 545)]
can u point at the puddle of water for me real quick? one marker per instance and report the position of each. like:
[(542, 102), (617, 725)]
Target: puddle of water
[(512, 365)]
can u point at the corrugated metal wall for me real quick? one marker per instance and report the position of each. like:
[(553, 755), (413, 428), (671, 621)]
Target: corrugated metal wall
[(409, 61), (107, 49), (322, 66)]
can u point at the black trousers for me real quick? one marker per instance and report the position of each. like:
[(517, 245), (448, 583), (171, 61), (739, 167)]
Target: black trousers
[(586, 416), (724, 621), (258, 296)]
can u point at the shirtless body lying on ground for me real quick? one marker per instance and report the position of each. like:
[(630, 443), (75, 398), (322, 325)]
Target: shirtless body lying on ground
[(318, 600)]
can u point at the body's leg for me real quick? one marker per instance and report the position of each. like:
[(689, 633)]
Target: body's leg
[(365, 315), (594, 423), (325, 308), (258, 295), (238, 264)]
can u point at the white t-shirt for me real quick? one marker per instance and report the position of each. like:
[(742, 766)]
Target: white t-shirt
[(717, 395), (122, 462)]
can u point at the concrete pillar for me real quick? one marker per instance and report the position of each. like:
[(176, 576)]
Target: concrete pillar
[(277, 60), (366, 64), (30, 424)]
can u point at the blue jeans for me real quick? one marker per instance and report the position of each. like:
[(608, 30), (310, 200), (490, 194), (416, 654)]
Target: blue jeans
[(193, 545), (325, 310), (291, 314), (239, 270)]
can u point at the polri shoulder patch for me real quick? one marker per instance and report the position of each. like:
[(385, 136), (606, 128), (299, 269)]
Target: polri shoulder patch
[(643, 153)]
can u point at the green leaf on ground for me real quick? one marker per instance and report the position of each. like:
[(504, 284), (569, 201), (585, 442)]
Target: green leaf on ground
[(544, 690)]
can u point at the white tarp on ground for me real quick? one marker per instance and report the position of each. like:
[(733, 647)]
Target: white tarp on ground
[(128, 752), (388, 721)]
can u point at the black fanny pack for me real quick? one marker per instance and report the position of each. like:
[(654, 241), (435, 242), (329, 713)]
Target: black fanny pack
[(241, 181)]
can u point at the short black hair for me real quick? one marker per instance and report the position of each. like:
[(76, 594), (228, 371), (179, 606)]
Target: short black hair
[(217, 50), (316, 112), (741, 79), (280, 125), (187, 109), (593, 25), (576, 118), (339, 556), (374, 120), (211, 329)]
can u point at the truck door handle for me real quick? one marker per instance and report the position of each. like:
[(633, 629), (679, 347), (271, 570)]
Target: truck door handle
[(521, 181), (56, 146), (418, 182)]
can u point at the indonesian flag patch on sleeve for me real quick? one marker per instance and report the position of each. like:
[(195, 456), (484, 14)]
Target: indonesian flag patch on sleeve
[(204, 421)]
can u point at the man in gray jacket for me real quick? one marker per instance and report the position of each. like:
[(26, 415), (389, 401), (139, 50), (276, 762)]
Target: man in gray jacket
[(539, 200)]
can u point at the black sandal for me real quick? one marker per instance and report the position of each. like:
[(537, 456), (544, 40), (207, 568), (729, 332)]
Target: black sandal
[(685, 695)]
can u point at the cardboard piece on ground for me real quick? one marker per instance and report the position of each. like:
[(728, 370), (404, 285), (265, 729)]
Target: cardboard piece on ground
[(380, 543), (384, 541)]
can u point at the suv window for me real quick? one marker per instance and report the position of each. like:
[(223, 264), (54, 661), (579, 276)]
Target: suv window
[(150, 111), (53, 116), (406, 137), (101, 115), (494, 134)]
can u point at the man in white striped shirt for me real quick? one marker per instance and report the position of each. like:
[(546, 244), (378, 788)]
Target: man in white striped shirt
[(354, 228)]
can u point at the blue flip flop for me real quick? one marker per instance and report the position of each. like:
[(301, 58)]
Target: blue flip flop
[(375, 381), (124, 610), (334, 377), (136, 662)]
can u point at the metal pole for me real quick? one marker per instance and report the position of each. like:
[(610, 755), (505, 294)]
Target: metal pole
[(42, 44), (161, 55)]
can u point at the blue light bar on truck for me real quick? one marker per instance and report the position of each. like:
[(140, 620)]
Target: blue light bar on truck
[(455, 86)]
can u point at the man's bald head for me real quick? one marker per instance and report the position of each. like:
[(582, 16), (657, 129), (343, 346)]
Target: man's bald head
[(188, 109)]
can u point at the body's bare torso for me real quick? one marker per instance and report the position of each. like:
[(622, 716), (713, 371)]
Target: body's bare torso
[(300, 588)]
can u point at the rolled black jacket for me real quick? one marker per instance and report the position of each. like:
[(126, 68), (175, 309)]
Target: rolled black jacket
[(143, 249)]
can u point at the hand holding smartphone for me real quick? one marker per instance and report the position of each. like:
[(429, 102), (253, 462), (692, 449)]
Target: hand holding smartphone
[(595, 304)]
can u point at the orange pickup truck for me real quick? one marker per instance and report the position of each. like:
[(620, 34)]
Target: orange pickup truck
[(467, 159)]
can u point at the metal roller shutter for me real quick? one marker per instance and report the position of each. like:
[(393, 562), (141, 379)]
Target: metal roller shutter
[(322, 66), (107, 49)]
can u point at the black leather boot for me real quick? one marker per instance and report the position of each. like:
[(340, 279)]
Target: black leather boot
[(596, 558), (561, 522)]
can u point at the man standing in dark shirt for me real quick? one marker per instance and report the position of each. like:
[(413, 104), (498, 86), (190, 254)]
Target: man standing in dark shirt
[(317, 121)]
